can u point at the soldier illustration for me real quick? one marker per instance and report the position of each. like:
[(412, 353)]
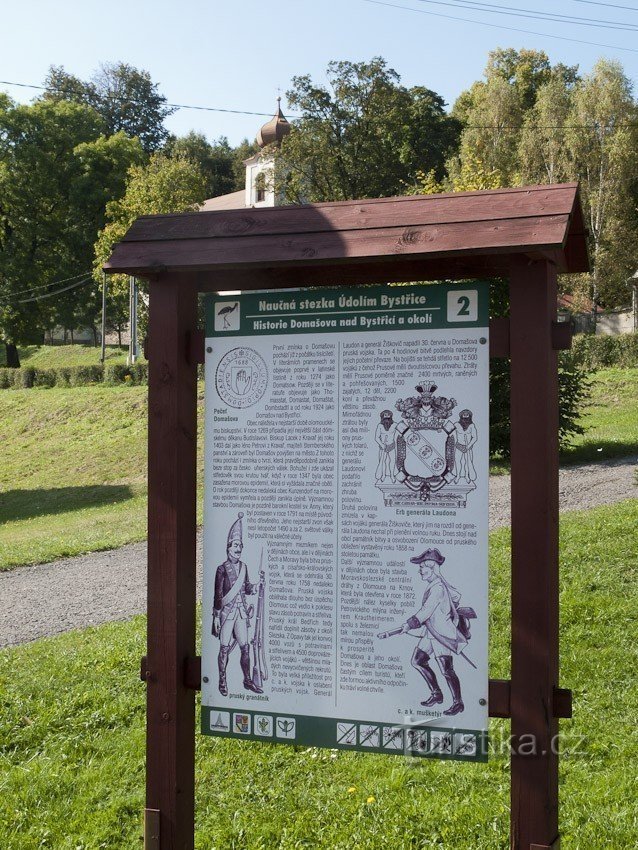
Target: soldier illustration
[(231, 614), (443, 629), (466, 437), (385, 438)]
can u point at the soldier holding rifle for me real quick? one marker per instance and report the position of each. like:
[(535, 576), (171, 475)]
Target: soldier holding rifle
[(231, 614), (443, 629)]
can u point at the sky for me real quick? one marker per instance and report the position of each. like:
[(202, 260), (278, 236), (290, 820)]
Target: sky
[(241, 55)]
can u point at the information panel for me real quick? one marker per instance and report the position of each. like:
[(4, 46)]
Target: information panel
[(346, 519)]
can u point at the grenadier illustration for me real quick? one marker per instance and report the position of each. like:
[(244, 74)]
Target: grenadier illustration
[(466, 437), (231, 613), (385, 439)]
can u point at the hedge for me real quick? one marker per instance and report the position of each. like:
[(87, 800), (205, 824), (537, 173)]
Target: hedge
[(73, 376), (598, 352)]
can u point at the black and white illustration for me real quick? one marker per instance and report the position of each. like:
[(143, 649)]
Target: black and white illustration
[(427, 453), (234, 618), (442, 626)]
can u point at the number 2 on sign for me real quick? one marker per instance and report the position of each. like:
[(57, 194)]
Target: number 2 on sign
[(462, 305)]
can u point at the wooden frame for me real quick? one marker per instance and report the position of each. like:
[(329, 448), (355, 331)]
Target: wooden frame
[(528, 235)]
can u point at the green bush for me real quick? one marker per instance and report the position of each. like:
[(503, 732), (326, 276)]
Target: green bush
[(598, 352), (81, 376), (573, 388), (63, 376), (45, 378), (24, 378), (7, 377)]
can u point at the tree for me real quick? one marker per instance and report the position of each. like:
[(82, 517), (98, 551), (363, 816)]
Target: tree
[(56, 173), (364, 136), (164, 185), (215, 161), (125, 97), (602, 141)]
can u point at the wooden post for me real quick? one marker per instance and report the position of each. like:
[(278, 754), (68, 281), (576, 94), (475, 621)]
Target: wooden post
[(172, 432), (534, 444)]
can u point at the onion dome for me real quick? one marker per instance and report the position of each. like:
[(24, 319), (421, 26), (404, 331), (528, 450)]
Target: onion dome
[(274, 130)]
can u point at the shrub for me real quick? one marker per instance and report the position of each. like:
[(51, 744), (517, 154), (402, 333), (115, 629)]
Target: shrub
[(115, 373), (573, 389), (80, 376), (139, 373), (24, 378), (63, 376), (597, 352), (45, 378), (6, 378)]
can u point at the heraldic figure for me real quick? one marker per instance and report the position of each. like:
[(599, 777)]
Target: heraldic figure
[(385, 440), (443, 629), (231, 614)]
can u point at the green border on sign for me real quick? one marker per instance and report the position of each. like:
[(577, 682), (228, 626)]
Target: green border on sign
[(345, 734), (338, 310)]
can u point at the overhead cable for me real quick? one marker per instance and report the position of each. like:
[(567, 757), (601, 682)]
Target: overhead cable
[(500, 26), (551, 17)]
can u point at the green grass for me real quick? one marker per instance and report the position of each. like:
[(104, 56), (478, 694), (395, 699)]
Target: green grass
[(73, 472), (56, 356), (72, 739), (611, 419)]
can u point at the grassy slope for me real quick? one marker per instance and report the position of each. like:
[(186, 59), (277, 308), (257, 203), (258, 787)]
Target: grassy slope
[(73, 472), (56, 356), (72, 738), (611, 420)]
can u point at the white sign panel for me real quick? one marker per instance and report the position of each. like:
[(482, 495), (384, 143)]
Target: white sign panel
[(346, 519)]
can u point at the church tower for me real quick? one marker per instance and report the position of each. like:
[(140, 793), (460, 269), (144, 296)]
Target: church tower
[(260, 178)]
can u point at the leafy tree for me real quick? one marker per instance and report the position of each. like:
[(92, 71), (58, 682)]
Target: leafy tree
[(215, 161), (164, 185), (56, 173), (602, 139), (364, 136), (126, 98)]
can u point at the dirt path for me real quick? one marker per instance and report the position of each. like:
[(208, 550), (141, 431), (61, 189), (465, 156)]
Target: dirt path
[(73, 593)]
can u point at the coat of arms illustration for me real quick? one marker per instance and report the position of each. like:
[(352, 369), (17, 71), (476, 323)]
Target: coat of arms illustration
[(426, 456)]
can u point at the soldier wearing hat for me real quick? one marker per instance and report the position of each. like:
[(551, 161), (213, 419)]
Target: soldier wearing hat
[(441, 636), (231, 615)]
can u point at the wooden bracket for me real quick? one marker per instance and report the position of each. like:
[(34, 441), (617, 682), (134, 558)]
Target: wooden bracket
[(563, 703), (195, 347), (151, 829), (145, 673), (499, 700), (561, 336), (555, 845), (193, 673), (500, 337)]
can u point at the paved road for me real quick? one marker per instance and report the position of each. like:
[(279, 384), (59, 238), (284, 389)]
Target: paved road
[(50, 598)]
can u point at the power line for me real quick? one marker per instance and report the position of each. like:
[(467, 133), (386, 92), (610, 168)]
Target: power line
[(516, 12), (609, 5), (127, 100), (500, 26), (48, 294), (50, 283)]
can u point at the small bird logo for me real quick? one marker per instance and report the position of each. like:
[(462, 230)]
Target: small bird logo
[(226, 311)]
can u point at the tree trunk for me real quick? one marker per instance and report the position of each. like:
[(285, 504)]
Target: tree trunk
[(72, 340), (119, 336), (13, 358)]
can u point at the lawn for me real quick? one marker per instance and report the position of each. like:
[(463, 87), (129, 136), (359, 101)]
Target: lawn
[(56, 356), (611, 419), (72, 738), (73, 473)]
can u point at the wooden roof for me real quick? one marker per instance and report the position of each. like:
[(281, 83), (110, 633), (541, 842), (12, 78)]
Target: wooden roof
[(463, 234)]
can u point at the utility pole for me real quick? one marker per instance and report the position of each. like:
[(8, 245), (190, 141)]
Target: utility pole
[(132, 350), (103, 355)]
